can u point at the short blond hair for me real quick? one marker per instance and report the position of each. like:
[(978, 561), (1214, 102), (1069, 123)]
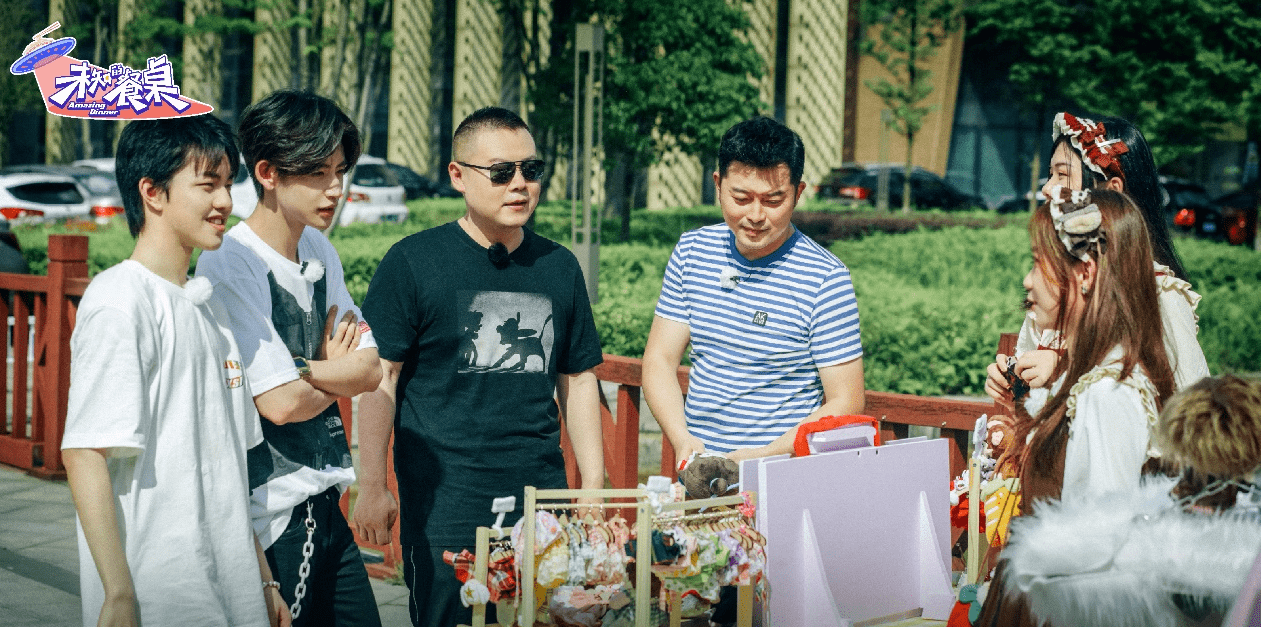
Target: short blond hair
[(1214, 427)]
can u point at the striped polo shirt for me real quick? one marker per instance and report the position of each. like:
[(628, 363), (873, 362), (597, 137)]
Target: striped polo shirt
[(760, 330)]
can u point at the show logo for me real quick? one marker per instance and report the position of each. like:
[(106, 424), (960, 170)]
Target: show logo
[(77, 89)]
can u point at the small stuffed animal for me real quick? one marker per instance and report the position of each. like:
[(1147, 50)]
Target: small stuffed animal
[(706, 475)]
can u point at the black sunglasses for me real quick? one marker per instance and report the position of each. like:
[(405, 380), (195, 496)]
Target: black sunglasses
[(502, 173)]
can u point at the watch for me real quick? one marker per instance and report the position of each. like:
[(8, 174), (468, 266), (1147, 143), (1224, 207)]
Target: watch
[(303, 366)]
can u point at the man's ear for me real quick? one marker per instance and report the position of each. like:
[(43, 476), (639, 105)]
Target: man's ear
[(801, 187), (153, 197), (267, 174), (457, 176), (1115, 184), (717, 184)]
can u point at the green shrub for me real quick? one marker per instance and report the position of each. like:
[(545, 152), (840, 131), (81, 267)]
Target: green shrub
[(933, 296)]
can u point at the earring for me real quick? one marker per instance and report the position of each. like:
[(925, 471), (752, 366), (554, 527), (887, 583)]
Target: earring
[(1084, 290)]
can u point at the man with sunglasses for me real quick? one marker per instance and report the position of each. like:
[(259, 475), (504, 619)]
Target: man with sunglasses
[(481, 325)]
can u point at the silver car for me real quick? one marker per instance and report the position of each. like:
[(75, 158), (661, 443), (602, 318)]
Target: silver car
[(42, 196)]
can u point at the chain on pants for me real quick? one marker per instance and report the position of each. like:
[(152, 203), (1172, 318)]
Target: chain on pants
[(308, 549)]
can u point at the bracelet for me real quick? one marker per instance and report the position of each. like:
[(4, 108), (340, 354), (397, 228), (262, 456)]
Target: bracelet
[(271, 584)]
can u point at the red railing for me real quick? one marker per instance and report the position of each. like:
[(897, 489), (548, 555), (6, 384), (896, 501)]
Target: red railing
[(30, 437)]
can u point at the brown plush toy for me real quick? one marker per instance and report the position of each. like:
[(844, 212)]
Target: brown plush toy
[(705, 475), (1212, 430)]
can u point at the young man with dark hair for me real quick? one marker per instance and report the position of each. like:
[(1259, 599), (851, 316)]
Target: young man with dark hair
[(481, 326), (770, 314), (159, 418), (283, 285)]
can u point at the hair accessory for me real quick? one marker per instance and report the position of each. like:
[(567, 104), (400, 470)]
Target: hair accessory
[(498, 254), (1098, 152), (1077, 220)]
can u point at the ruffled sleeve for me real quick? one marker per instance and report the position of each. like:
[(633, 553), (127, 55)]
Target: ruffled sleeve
[(1178, 303)]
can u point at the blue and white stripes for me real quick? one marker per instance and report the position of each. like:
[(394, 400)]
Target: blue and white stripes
[(760, 336)]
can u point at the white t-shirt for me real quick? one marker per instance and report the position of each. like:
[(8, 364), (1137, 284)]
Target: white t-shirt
[(239, 271), (1177, 315), (156, 379)]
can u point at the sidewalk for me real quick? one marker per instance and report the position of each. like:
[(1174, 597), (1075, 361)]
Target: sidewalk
[(39, 558)]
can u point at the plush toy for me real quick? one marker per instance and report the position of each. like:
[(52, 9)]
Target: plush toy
[(706, 475)]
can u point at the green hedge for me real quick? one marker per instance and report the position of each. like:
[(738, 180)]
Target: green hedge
[(932, 300)]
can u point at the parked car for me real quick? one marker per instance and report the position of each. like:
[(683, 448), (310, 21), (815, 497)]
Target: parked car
[(244, 197), (420, 186), (1239, 213), (105, 164), (374, 195), (104, 199), (1190, 210), (42, 196), (1022, 203), (856, 183)]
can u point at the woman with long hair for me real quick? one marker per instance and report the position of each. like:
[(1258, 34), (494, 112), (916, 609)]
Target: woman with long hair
[(1092, 283), (1112, 154)]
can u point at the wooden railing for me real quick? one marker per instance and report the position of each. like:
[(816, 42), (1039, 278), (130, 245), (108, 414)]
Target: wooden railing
[(30, 435)]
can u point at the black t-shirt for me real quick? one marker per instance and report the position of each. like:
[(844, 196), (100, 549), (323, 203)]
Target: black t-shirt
[(481, 349)]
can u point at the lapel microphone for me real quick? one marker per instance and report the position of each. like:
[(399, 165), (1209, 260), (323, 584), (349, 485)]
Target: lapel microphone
[(498, 254)]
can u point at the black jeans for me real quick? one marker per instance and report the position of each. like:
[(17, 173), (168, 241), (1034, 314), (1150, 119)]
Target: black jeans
[(434, 599), (337, 589)]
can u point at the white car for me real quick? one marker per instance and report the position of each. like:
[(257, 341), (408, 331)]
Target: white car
[(374, 196), (104, 164), (42, 196)]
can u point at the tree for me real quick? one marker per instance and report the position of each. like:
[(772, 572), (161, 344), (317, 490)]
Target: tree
[(1180, 71), (679, 75), (908, 32), (17, 93)]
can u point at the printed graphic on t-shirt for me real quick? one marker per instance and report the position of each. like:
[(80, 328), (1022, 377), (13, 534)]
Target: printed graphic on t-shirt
[(505, 332), (233, 371)]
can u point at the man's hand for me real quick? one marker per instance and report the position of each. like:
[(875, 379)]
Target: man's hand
[(341, 337), (277, 611), (684, 448), (996, 382), (375, 513), (118, 611)]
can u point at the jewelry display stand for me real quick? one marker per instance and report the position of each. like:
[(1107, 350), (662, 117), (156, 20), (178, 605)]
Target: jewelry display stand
[(536, 500)]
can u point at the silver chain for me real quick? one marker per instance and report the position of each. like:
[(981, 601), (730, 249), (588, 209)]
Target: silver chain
[(308, 549)]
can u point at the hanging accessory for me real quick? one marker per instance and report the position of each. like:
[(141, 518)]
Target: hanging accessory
[(308, 549)]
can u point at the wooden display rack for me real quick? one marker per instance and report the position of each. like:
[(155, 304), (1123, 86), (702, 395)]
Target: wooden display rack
[(536, 500)]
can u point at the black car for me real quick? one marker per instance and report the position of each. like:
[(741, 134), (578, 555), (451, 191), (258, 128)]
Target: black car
[(1239, 213), (857, 183), (1190, 209), (420, 186)]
